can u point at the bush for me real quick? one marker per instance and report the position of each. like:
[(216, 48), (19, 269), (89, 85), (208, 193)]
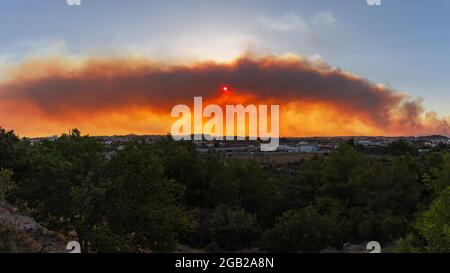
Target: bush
[(233, 229), (303, 230), (6, 184), (434, 224)]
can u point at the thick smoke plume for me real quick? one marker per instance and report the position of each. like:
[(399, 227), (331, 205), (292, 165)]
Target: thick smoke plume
[(135, 95)]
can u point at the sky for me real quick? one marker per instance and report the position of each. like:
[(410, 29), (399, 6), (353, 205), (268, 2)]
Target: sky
[(401, 46)]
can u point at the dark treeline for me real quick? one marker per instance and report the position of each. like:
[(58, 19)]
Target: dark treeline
[(154, 196)]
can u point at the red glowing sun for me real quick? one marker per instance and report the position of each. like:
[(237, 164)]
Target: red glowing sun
[(226, 90)]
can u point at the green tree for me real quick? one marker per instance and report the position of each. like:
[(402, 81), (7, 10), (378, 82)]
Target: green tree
[(66, 187), (338, 171), (402, 188), (256, 192), (434, 224), (141, 202), (300, 189), (6, 184), (401, 147), (411, 243), (8, 140), (438, 178), (233, 228), (183, 164), (302, 230), (14, 154)]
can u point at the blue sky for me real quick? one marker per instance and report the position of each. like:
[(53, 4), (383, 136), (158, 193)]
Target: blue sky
[(403, 44)]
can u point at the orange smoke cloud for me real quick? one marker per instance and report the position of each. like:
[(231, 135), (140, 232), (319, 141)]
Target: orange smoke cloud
[(135, 95)]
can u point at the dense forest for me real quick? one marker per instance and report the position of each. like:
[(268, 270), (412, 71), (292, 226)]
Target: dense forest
[(156, 196)]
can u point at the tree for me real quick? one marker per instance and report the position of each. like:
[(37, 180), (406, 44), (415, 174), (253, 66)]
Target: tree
[(438, 178), (338, 170), (14, 154), (6, 184), (66, 187), (142, 204), (220, 185), (300, 189), (7, 141), (411, 243), (182, 163), (302, 230), (223, 189), (401, 147), (434, 224), (233, 228), (402, 187), (256, 192)]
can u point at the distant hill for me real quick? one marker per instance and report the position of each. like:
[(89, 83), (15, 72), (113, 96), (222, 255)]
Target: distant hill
[(433, 137)]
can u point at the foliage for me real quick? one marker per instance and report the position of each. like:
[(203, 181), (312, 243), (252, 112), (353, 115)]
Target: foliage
[(401, 147), (66, 184), (298, 230), (233, 228), (438, 178), (139, 196), (6, 184), (434, 224)]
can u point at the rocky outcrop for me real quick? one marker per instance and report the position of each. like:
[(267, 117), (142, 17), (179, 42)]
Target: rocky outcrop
[(21, 233), (350, 248)]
